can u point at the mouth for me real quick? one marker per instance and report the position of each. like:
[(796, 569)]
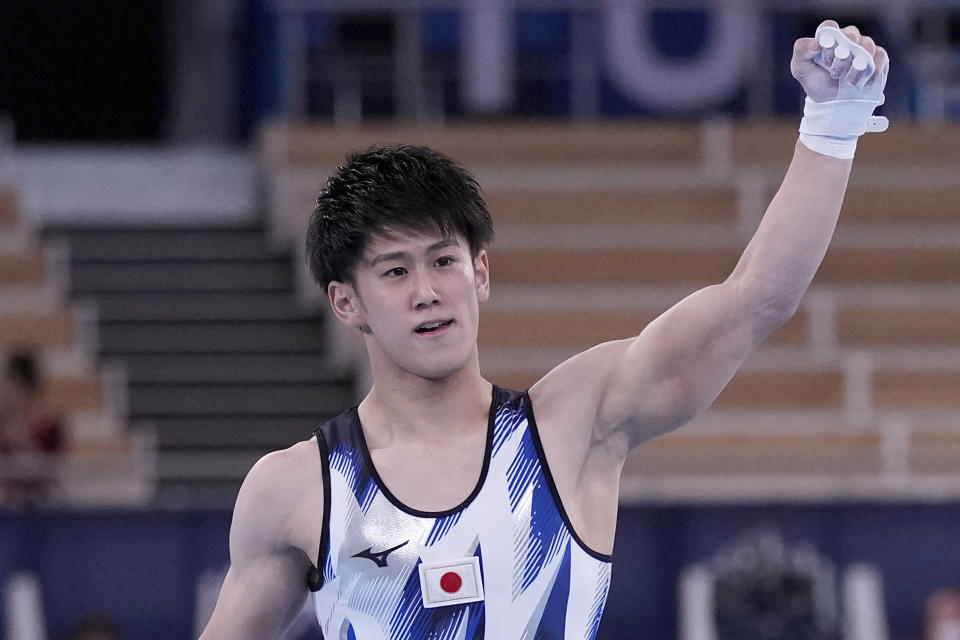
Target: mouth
[(433, 327)]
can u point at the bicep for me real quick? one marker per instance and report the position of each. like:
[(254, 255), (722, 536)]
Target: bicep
[(257, 599), (266, 583), (681, 361)]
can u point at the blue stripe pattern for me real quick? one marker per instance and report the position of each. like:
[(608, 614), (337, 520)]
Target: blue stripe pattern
[(554, 620), (346, 460), (508, 418), (369, 493), (441, 526), (524, 467), (547, 532)]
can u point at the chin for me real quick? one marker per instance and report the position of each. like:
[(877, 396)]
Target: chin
[(440, 368)]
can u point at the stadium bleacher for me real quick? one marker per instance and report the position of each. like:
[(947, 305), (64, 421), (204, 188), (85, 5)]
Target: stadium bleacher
[(591, 247), (165, 288)]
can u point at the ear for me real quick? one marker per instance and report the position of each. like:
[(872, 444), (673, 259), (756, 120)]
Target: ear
[(481, 274), (345, 303)]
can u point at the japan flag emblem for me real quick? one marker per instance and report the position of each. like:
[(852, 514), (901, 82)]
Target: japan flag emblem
[(451, 582)]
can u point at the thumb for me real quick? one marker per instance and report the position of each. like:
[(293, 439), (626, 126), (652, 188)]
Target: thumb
[(805, 49)]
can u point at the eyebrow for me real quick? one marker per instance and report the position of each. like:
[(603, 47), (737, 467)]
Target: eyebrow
[(399, 255)]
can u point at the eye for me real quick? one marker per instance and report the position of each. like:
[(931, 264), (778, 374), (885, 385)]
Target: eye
[(445, 261), (395, 272)]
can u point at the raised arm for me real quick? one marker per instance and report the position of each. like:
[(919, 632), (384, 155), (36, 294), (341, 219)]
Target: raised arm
[(638, 388), (266, 584)]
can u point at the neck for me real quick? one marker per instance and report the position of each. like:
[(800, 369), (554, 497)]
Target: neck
[(408, 406)]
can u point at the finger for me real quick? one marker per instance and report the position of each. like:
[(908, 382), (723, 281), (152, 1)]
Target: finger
[(882, 62), (829, 23), (855, 76), (859, 77), (840, 67), (842, 50), (852, 32), (805, 49), (828, 55)]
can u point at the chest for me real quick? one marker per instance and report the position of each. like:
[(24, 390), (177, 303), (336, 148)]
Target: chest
[(432, 475)]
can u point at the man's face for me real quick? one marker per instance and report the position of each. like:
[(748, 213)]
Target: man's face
[(417, 297)]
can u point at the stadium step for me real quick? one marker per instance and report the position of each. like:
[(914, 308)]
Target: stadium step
[(187, 306), (218, 353), (254, 432), (232, 368), (237, 399), (128, 338), (167, 244), (266, 274)]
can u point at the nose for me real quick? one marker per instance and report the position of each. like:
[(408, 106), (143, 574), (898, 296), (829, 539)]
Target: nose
[(425, 291)]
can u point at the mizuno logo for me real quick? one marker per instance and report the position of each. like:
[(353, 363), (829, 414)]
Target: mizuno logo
[(380, 557)]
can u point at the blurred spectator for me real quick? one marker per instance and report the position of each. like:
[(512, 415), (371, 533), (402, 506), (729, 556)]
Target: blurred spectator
[(96, 627), (942, 616), (29, 435)]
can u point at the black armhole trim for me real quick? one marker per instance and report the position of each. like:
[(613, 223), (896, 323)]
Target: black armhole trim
[(535, 434), (315, 579), (484, 470)]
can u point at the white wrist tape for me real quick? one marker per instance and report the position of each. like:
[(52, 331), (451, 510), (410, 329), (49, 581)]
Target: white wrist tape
[(832, 127), (841, 118), (843, 148)]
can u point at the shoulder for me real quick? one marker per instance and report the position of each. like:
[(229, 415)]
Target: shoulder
[(280, 499), (277, 473), (575, 388)]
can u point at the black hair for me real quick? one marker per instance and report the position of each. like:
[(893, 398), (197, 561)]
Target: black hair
[(22, 369), (391, 187)]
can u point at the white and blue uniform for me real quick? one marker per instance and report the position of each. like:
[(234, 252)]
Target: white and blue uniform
[(540, 581)]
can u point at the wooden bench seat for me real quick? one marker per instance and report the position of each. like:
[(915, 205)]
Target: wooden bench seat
[(749, 389), (935, 452), (582, 329), (498, 143), (608, 206), (9, 207), (36, 330), (662, 265), (612, 265), (25, 268), (906, 389), (772, 142), (692, 454), (885, 326), (66, 394), (881, 204)]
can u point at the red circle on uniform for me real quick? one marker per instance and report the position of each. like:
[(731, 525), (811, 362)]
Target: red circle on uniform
[(451, 582)]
